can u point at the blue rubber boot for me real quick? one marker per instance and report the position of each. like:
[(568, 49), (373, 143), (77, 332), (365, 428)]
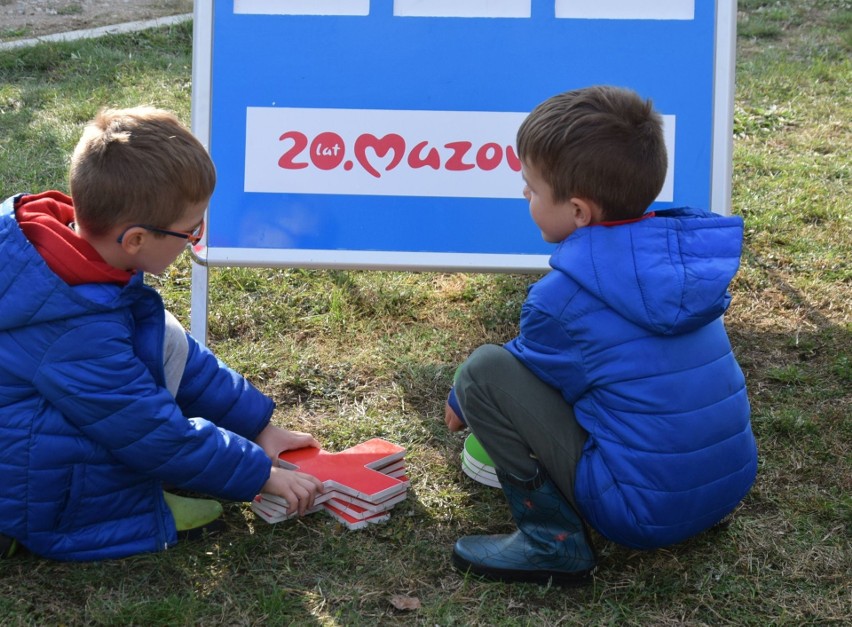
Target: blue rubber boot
[(549, 545)]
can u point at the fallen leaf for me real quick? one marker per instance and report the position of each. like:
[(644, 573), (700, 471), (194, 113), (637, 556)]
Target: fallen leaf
[(404, 602)]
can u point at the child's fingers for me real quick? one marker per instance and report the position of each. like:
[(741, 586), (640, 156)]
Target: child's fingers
[(452, 420), (311, 488), (314, 483), (304, 490)]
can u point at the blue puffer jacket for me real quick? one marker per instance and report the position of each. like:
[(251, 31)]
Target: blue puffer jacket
[(88, 432), (628, 326)]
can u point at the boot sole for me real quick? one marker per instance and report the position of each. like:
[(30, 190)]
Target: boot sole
[(555, 577)]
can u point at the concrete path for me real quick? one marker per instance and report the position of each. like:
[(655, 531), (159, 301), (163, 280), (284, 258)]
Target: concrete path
[(89, 33)]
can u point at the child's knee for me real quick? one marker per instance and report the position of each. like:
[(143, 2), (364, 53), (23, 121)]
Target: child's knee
[(486, 362)]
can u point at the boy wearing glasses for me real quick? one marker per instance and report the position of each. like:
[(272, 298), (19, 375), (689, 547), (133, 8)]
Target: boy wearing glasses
[(104, 398)]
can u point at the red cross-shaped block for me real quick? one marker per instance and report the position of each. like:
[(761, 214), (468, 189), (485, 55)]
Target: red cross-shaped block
[(354, 471)]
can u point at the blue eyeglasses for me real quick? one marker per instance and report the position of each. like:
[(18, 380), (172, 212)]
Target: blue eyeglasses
[(192, 237)]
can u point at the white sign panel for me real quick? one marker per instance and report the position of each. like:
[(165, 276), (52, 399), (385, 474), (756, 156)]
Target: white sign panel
[(455, 154)]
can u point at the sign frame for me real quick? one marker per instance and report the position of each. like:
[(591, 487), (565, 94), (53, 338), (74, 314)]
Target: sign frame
[(208, 254)]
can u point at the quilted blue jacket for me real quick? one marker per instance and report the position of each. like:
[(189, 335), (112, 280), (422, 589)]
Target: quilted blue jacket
[(628, 325), (88, 432)]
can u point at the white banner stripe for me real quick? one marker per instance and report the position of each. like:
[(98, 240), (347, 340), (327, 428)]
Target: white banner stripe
[(302, 7), (462, 8), (452, 154), (626, 9)]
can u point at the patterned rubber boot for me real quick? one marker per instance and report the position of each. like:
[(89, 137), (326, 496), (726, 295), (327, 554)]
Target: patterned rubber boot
[(194, 517), (549, 545)]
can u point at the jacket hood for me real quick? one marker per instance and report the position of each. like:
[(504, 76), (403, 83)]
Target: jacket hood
[(47, 220), (31, 293), (668, 273)]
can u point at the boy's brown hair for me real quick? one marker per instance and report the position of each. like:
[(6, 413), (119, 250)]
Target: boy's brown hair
[(603, 144), (138, 165)]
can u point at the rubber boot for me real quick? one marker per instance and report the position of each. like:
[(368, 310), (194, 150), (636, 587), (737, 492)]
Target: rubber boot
[(194, 517), (549, 545)]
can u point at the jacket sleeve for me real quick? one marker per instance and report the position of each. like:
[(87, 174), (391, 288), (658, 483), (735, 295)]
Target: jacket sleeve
[(548, 351), (92, 375), (211, 389)]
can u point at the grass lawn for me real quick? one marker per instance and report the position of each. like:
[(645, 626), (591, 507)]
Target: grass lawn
[(350, 355)]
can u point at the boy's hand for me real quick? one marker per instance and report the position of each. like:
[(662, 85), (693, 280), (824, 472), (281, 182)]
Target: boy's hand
[(298, 488), (273, 440), (452, 420)]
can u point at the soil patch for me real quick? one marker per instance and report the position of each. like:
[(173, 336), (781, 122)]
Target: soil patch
[(22, 19)]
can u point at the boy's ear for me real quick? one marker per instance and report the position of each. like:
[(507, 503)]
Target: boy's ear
[(585, 211), (133, 240)]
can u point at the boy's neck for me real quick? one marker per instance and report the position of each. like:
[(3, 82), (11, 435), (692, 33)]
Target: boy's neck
[(107, 247), (626, 221)]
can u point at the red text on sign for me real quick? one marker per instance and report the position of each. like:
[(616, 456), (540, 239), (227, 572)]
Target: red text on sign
[(327, 151)]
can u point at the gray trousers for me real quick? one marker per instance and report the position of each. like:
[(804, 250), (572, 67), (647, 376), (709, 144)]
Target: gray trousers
[(521, 422), (175, 352)]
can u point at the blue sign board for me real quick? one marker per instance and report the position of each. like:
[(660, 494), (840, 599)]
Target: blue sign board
[(380, 133), (383, 130)]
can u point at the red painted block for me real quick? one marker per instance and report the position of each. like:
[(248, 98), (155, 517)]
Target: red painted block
[(356, 471)]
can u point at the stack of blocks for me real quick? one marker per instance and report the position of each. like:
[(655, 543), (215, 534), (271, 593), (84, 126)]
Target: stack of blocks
[(362, 483)]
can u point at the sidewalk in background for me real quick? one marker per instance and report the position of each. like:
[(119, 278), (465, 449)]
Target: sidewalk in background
[(89, 33)]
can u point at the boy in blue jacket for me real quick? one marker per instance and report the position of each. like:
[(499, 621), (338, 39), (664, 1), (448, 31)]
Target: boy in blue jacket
[(620, 404), (104, 398)]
